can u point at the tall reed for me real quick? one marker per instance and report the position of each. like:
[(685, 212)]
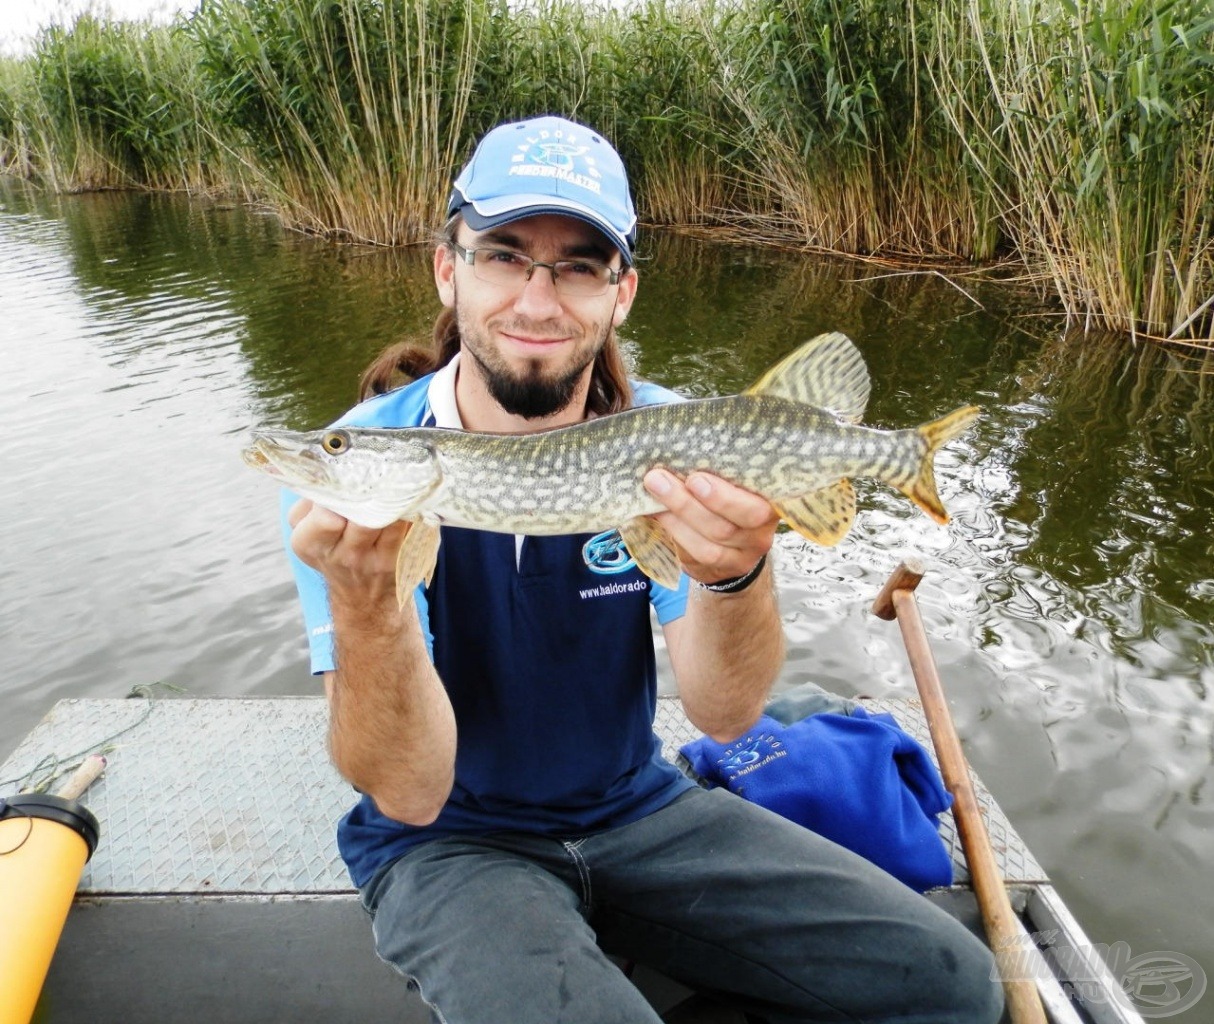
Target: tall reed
[(663, 105), (839, 145), (108, 104), (1092, 122), (1074, 135), (348, 113)]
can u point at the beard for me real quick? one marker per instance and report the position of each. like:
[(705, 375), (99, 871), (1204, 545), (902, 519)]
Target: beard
[(531, 394), (535, 390)]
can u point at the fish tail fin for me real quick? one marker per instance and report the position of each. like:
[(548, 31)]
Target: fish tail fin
[(827, 371), (921, 488)]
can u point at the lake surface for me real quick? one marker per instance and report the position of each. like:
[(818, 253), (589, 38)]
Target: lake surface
[(1069, 601)]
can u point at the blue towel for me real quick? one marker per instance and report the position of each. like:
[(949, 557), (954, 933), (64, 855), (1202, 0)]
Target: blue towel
[(857, 779)]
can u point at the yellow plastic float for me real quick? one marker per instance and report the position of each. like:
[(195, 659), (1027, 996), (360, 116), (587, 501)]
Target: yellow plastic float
[(45, 841)]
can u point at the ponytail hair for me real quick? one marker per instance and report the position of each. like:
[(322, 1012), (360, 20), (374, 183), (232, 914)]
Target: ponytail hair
[(404, 361)]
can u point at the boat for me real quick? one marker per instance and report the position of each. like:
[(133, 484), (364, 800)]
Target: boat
[(216, 892)]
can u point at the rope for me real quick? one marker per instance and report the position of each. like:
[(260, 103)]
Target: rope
[(29, 822), (51, 766)]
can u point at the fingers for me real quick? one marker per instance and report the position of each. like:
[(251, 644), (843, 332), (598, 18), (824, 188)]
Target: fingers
[(337, 547), (297, 511), (721, 529), (315, 531)]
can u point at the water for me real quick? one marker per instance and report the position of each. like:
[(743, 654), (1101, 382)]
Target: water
[(1069, 602)]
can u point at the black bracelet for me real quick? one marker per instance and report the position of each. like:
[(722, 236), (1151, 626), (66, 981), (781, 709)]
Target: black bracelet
[(738, 583)]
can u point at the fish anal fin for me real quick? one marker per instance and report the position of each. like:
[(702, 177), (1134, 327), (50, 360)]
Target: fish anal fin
[(416, 558), (823, 516), (827, 372), (652, 549)]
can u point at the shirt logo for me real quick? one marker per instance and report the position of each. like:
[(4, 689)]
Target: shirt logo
[(606, 554)]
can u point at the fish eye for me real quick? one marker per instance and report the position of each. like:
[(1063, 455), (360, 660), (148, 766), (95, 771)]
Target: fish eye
[(335, 442)]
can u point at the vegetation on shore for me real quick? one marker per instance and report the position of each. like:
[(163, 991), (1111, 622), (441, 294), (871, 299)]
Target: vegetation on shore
[(1073, 136)]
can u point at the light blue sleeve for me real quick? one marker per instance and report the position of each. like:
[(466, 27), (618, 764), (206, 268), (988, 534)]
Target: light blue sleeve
[(669, 604), (403, 407), (314, 600)]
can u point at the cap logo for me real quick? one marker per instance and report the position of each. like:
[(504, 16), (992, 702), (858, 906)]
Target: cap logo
[(556, 154)]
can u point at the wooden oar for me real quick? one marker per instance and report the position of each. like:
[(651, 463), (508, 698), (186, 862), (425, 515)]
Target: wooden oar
[(897, 601), (83, 777)]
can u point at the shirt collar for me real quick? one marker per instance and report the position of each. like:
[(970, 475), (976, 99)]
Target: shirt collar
[(441, 396)]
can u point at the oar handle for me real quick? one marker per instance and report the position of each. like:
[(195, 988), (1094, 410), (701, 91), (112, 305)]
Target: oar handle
[(897, 601), (83, 777)]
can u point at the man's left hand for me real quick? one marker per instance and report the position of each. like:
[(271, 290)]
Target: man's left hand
[(721, 530)]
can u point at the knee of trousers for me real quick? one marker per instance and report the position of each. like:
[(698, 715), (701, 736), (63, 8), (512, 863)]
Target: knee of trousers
[(972, 992)]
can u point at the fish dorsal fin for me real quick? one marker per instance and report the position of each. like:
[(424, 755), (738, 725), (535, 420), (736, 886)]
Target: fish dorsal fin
[(827, 371), (823, 516), (652, 550)]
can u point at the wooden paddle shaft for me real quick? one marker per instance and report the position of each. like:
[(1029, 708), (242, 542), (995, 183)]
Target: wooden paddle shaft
[(83, 777), (897, 601)]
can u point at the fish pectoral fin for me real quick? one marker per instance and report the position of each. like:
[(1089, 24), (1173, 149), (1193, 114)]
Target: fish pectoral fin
[(416, 558), (823, 516), (827, 371), (653, 550)]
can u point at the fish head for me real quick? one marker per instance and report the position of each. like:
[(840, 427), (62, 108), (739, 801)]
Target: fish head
[(371, 477)]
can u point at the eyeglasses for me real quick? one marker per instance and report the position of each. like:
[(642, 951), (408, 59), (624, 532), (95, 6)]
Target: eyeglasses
[(509, 269)]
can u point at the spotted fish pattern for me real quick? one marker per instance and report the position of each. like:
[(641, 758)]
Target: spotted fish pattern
[(793, 437)]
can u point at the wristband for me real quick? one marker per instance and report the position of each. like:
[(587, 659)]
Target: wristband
[(738, 583)]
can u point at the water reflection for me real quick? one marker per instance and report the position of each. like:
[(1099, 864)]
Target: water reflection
[(145, 336)]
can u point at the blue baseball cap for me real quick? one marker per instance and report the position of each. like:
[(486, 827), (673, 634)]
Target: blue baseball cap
[(546, 165)]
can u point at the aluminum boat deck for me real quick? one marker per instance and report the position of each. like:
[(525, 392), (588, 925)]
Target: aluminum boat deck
[(217, 892)]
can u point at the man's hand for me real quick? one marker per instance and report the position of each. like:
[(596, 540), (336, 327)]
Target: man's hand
[(721, 530), (356, 562), (725, 652), (391, 727)]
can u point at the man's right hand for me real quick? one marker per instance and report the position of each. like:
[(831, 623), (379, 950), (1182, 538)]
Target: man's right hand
[(357, 563), (391, 727)]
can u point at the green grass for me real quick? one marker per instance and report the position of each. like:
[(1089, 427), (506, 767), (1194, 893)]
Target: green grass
[(1076, 136)]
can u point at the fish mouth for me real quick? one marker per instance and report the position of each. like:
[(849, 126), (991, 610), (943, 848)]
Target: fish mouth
[(285, 458), (255, 458)]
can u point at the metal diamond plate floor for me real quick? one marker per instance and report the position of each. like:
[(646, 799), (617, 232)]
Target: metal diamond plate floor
[(233, 796), (212, 795)]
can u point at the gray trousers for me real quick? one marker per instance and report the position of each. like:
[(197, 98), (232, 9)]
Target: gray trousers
[(712, 891)]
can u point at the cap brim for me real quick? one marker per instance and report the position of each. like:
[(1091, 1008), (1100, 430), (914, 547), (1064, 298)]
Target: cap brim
[(486, 214)]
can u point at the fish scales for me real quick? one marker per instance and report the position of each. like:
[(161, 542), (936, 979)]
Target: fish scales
[(505, 475)]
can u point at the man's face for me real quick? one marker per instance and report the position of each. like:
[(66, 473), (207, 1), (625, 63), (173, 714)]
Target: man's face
[(532, 345)]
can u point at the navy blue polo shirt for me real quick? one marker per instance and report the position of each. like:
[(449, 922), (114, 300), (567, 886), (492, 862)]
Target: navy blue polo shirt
[(546, 652)]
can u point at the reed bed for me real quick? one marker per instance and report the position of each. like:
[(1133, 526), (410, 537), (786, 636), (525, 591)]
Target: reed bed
[(1075, 136), (1097, 138), (347, 114), (106, 104)]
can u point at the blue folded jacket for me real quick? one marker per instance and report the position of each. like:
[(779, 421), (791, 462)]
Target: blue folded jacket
[(857, 779)]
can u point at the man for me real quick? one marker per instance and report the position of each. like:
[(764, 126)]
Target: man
[(517, 819)]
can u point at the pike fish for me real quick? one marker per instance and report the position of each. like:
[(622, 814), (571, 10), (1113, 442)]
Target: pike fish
[(793, 437)]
